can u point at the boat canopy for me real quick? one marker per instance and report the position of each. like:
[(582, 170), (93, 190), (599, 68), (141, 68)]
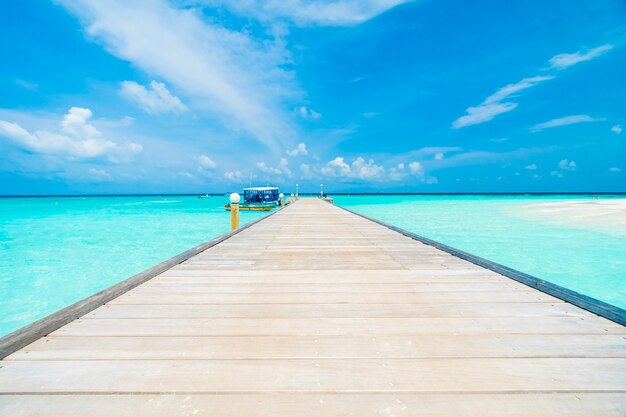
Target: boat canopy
[(261, 195)]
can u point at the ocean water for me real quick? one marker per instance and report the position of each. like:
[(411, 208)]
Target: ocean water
[(587, 258), (56, 251)]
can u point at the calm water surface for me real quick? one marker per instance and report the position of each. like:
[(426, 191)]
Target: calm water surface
[(586, 259), (55, 251)]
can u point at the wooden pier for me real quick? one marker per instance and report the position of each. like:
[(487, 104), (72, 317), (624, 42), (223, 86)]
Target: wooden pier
[(317, 312)]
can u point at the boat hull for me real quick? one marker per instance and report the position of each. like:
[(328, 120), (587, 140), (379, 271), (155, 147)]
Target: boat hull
[(250, 207)]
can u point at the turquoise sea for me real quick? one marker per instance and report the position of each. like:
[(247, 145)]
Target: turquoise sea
[(57, 250), (587, 258)]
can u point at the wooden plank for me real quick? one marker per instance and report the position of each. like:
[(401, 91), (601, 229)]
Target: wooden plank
[(237, 288), (329, 347), (447, 297), (332, 326), (319, 404), (318, 375), (473, 310), (372, 275)]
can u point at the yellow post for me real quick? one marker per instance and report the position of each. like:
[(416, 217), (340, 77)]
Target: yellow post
[(282, 199), (234, 211)]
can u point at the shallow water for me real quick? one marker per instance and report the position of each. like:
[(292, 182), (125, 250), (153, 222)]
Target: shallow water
[(55, 251), (586, 259)]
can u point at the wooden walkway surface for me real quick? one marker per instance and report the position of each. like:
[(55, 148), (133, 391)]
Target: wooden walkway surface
[(318, 312)]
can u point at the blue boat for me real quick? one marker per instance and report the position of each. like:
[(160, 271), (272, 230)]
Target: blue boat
[(259, 199)]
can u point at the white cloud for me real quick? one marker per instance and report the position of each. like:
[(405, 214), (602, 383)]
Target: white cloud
[(307, 113), (401, 166), (416, 168), (617, 129), (281, 169), (531, 167), (366, 170), (439, 156), (556, 174), (234, 76), (566, 165), (615, 169), (562, 61), (77, 139), (205, 165), (564, 121), (234, 176), (337, 167), (493, 105), (154, 100), (299, 150), (310, 12), (206, 162), (359, 168)]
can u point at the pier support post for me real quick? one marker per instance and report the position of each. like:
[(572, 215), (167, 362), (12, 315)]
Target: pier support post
[(234, 211), (282, 199)]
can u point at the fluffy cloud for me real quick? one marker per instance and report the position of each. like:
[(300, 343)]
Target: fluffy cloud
[(236, 77), (617, 129), (493, 105), (307, 113), (155, 100), (299, 150), (206, 166), (366, 170), (531, 167), (234, 176), (310, 12), (416, 168), (564, 121), (359, 168), (615, 169), (562, 61), (76, 139), (439, 156), (337, 167), (281, 169), (205, 162), (566, 165)]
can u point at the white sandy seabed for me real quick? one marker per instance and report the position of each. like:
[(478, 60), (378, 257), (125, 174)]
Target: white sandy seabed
[(608, 215)]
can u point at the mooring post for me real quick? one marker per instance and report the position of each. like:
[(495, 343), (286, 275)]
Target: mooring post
[(234, 211), (282, 199)]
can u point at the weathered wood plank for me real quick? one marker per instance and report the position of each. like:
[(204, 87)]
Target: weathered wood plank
[(318, 375), (330, 326), (473, 310), (308, 347), (446, 297), (319, 404), (234, 288)]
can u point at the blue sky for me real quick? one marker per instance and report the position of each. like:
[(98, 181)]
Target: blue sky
[(374, 95)]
